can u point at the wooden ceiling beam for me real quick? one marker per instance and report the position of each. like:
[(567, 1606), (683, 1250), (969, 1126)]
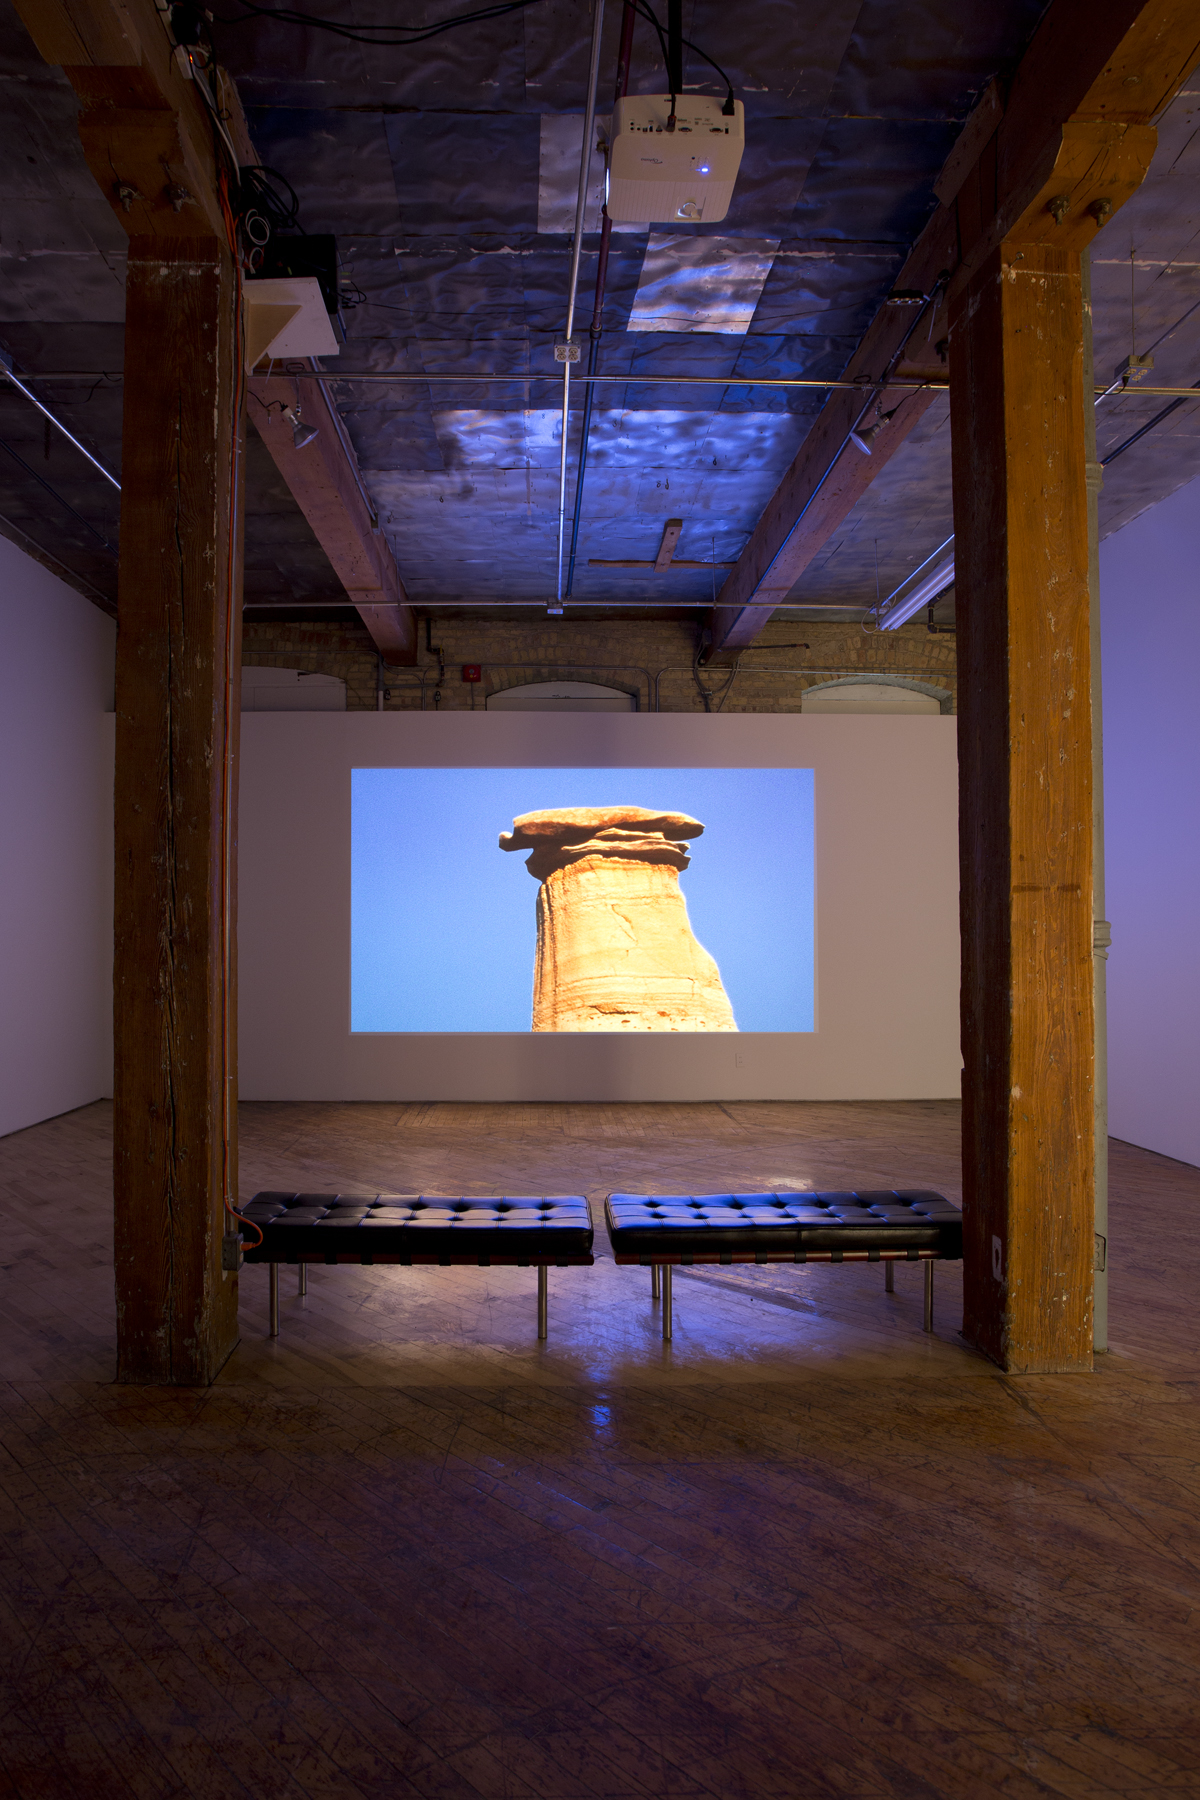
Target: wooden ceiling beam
[(148, 138), (324, 480), (1048, 163), (146, 132)]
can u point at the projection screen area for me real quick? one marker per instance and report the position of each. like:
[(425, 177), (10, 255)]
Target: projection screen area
[(661, 899)]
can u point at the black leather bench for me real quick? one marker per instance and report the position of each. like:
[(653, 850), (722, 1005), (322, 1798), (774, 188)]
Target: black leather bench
[(661, 1231), (532, 1231)]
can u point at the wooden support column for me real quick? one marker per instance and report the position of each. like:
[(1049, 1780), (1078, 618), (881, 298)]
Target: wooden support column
[(1025, 808), (178, 709)]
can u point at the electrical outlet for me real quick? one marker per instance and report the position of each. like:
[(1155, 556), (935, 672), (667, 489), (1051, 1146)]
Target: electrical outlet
[(231, 1250)]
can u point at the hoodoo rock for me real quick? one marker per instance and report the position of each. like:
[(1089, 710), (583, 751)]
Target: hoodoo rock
[(615, 947)]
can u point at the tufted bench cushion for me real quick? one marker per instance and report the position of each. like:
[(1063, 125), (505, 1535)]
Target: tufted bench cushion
[(885, 1225), (421, 1228), (526, 1230), (784, 1227)]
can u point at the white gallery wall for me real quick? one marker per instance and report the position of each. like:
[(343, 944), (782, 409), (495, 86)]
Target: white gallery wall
[(56, 688), (886, 912), (1150, 640)]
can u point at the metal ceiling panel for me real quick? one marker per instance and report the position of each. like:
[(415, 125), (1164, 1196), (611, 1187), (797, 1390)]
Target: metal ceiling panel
[(459, 172), (872, 179), (633, 440), (560, 143), (285, 65), (472, 439), (903, 63), (437, 164), (706, 284), (775, 165), (393, 438), (556, 41), (824, 290), (62, 253), (339, 160), (470, 287), (782, 59)]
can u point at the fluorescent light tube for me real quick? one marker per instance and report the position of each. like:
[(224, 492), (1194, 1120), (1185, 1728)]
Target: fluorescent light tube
[(898, 611)]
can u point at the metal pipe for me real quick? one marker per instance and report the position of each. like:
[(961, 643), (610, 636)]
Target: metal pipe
[(543, 1297), (7, 370), (928, 1294), (1151, 423), (668, 1323), (1101, 929), (655, 1283), (302, 1287), (523, 378), (596, 332), (348, 447), (889, 1277), (585, 160), (273, 1302)]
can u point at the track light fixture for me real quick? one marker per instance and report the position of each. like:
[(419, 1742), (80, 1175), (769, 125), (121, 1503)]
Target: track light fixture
[(301, 434)]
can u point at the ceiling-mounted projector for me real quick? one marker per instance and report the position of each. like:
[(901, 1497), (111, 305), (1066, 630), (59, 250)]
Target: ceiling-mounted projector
[(686, 175)]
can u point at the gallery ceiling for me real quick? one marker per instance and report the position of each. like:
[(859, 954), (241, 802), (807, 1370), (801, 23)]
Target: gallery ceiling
[(447, 171)]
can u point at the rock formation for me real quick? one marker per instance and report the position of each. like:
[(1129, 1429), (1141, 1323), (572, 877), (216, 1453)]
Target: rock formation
[(615, 948)]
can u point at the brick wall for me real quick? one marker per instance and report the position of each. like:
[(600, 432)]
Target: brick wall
[(647, 656)]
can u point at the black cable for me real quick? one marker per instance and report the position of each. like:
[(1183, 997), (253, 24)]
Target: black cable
[(369, 34), (1148, 426), (647, 13), (17, 457)]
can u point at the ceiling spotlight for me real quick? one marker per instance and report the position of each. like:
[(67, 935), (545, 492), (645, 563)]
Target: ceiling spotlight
[(301, 434), (864, 439)]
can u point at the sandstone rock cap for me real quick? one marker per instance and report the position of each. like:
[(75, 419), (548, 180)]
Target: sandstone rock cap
[(576, 824)]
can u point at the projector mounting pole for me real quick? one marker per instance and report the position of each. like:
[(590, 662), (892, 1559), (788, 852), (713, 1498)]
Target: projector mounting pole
[(674, 55), (566, 349)]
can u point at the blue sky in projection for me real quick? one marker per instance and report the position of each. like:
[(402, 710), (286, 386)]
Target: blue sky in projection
[(443, 922)]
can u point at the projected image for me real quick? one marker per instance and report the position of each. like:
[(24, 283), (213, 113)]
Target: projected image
[(666, 900)]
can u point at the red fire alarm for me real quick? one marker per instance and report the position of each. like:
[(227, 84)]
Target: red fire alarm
[(472, 672)]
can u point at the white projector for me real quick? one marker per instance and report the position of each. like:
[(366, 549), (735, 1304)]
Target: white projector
[(685, 175)]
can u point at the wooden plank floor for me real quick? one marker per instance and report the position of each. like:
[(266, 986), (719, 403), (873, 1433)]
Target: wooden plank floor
[(805, 1550)]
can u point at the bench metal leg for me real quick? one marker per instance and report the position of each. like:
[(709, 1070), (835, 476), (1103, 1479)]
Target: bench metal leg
[(274, 1289), (889, 1278), (303, 1288), (929, 1295), (654, 1281), (666, 1302), (543, 1287)]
